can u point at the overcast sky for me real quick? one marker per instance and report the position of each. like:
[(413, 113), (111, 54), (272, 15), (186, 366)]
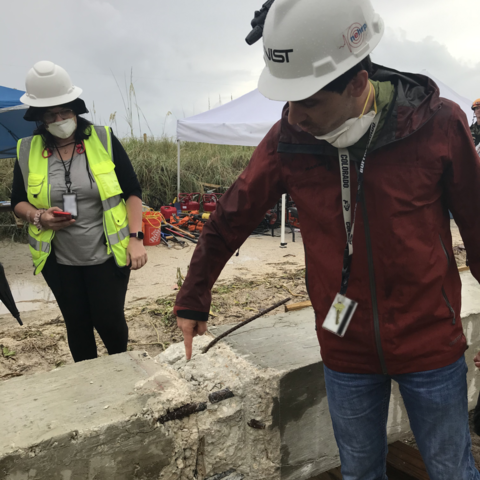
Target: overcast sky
[(189, 55)]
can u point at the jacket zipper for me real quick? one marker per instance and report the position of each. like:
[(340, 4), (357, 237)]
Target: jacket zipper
[(373, 288), (306, 270), (447, 301)]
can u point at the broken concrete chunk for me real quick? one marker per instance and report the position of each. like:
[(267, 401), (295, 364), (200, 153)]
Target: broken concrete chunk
[(170, 356)]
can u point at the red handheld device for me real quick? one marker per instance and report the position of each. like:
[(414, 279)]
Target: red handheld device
[(64, 215)]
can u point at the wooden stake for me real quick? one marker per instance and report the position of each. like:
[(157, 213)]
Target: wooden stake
[(297, 306)]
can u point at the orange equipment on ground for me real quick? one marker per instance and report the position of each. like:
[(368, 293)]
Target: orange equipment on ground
[(151, 227)]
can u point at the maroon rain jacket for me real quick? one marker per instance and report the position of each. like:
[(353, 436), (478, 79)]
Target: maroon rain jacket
[(403, 273)]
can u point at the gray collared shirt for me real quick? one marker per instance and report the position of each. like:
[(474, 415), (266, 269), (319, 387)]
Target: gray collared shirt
[(83, 243)]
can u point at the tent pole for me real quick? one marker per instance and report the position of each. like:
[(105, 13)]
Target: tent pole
[(178, 169), (282, 238)]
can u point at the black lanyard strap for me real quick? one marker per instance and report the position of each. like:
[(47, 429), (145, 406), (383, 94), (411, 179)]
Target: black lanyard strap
[(345, 178), (68, 181)]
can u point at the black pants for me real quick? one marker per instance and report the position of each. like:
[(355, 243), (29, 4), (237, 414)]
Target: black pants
[(90, 298)]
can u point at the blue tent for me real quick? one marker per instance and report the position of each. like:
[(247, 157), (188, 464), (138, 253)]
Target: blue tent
[(12, 124)]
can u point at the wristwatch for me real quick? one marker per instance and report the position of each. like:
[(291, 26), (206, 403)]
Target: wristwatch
[(138, 235)]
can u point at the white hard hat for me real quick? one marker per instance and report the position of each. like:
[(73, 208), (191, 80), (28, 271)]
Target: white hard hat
[(310, 43), (48, 85)]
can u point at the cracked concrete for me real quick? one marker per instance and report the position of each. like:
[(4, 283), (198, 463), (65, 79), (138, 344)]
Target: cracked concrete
[(99, 420)]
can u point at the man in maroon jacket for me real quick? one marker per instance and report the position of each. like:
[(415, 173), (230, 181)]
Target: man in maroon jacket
[(387, 304)]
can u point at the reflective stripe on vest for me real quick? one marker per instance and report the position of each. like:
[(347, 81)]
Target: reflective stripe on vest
[(35, 176), (100, 159)]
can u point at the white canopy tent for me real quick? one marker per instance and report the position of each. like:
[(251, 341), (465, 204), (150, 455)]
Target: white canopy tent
[(244, 121)]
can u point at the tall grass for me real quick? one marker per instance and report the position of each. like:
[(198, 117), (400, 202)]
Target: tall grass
[(155, 163), (6, 179)]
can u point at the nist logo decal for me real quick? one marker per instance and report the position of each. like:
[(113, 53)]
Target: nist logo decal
[(355, 35), (278, 56)]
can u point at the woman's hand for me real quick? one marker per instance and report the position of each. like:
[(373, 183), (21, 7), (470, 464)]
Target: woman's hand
[(49, 222), (136, 254)]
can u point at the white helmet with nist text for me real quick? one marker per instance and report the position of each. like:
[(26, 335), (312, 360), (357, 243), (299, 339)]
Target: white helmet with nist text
[(309, 43)]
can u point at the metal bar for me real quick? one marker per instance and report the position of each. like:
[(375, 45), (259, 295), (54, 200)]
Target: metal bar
[(282, 234), (242, 324)]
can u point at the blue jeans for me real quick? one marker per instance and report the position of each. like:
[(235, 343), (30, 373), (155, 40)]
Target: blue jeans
[(436, 402)]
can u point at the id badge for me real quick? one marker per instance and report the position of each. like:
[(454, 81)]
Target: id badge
[(70, 203), (340, 314)]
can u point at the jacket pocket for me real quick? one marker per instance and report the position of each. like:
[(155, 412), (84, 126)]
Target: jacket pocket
[(106, 179), (36, 183), (119, 216), (120, 220), (447, 301)]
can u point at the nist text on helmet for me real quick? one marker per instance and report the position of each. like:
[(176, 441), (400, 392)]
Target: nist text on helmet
[(278, 56)]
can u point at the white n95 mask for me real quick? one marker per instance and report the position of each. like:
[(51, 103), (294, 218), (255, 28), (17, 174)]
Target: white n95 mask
[(62, 129), (350, 132)]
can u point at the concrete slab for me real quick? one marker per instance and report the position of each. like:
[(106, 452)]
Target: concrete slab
[(83, 421), (132, 417)]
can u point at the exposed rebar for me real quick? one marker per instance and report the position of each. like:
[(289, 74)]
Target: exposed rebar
[(242, 324)]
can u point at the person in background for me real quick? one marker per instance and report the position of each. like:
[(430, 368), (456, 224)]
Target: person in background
[(75, 186), (475, 127)]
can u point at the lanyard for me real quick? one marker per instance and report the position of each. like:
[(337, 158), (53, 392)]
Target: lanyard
[(68, 181), (345, 179)]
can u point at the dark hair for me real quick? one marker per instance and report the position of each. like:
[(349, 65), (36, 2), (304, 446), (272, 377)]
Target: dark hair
[(340, 84), (83, 131)]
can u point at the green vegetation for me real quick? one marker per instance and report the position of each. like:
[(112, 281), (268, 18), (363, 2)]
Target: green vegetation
[(155, 162), (6, 179)]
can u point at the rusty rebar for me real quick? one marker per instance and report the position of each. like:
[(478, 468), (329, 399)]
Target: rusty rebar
[(242, 324), (220, 395), (182, 412)]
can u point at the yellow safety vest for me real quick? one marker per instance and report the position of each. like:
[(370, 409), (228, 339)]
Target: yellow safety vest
[(98, 149)]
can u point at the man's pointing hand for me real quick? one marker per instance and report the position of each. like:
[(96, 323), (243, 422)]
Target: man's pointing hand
[(190, 329)]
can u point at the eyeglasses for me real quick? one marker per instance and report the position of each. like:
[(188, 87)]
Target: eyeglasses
[(65, 114)]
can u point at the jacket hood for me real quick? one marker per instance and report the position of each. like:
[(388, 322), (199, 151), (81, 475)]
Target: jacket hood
[(417, 100)]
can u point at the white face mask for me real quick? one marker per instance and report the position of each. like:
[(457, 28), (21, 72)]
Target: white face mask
[(62, 129), (353, 129)]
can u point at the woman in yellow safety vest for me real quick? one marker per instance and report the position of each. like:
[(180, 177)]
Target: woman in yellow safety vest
[(75, 186)]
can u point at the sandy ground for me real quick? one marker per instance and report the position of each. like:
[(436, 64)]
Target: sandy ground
[(258, 256), (41, 344)]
